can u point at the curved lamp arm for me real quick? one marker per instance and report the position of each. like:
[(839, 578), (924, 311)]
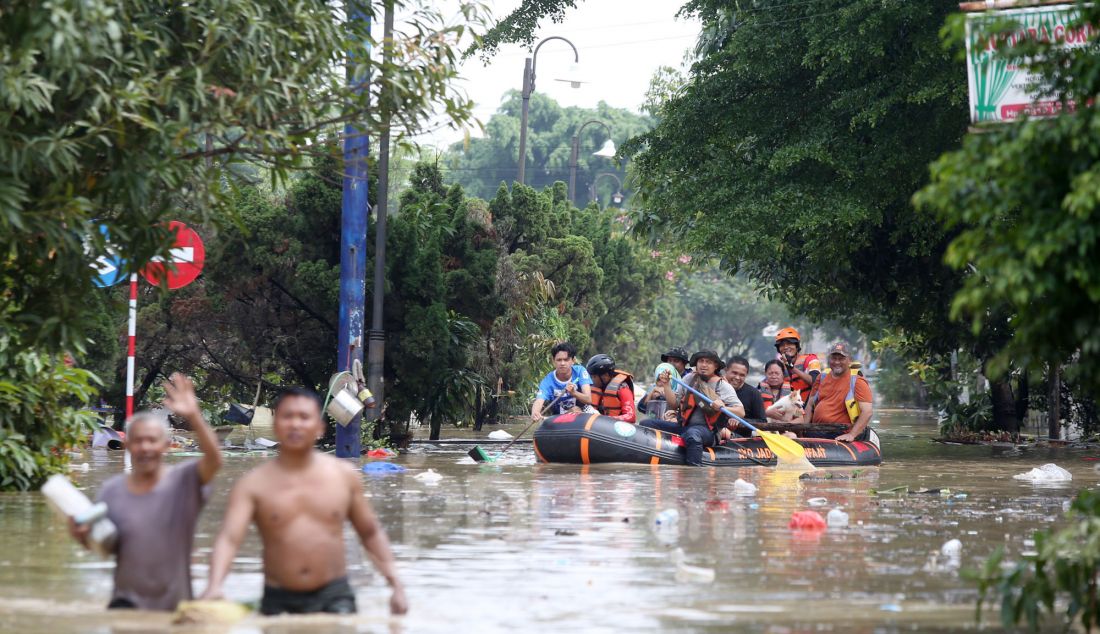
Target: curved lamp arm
[(590, 122), (601, 175), (535, 54), (596, 181)]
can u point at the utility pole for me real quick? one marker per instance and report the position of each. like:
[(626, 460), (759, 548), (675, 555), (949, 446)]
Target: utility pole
[(377, 350), (353, 242)]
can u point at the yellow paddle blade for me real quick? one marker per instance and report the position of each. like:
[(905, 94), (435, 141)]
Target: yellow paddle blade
[(787, 451)]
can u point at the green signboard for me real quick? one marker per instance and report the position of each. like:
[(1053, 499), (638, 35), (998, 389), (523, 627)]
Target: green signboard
[(1001, 89)]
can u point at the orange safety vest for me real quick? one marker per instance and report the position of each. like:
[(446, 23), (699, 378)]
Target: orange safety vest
[(766, 394), (688, 405), (802, 361), (606, 399)]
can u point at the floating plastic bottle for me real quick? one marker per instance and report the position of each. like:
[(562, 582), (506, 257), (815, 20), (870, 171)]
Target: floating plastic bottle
[(668, 517), (836, 518)]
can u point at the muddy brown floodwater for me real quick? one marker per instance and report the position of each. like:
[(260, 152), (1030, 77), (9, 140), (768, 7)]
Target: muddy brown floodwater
[(517, 546)]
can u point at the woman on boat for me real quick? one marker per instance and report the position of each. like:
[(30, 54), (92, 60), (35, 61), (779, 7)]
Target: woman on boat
[(775, 385)]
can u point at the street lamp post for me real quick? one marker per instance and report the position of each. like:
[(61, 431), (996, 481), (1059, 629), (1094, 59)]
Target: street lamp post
[(607, 151), (528, 88), (617, 197)]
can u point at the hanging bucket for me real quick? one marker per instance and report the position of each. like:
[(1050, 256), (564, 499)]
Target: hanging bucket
[(344, 407)]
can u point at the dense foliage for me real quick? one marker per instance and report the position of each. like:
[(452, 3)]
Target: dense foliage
[(480, 165), (1024, 200), (38, 424), (131, 113), (476, 294)]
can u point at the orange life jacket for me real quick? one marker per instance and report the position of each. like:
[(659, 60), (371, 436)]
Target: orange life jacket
[(766, 394), (802, 361), (606, 399), (689, 402)]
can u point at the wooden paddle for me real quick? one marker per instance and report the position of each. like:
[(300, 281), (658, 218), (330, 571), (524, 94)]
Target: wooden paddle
[(480, 455), (785, 449)]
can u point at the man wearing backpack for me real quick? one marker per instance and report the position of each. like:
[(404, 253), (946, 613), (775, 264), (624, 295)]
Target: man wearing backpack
[(840, 397)]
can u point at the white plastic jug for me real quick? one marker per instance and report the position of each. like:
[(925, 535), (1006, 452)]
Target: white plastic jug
[(69, 502)]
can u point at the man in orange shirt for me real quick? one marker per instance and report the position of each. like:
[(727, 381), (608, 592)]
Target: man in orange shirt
[(827, 404)]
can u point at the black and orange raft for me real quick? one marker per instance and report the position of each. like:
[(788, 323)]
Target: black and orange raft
[(591, 438)]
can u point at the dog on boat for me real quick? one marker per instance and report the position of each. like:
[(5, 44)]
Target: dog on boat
[(787, 409)]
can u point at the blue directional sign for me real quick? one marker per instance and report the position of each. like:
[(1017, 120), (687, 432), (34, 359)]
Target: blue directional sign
[(109, 267)]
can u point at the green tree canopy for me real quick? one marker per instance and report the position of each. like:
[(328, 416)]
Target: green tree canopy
[(131, 113), (1024, 201), (482, 164)]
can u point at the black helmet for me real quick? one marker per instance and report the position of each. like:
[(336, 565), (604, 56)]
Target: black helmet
[(599, 364), (675, 352)]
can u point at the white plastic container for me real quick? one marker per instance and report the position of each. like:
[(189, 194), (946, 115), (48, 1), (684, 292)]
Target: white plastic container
[(69, 502), (952, 549), (740, 487), (836, 518)]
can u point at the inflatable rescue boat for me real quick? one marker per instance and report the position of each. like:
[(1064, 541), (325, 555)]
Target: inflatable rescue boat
[(591, 438)]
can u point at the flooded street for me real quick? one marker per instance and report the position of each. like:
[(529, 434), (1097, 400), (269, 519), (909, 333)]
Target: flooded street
[(516, 546)]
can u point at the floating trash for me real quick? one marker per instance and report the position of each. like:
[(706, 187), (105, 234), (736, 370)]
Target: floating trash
[(952, 549), (890, 607), (720, 506), (428, 477), (836, 518), (381, 453), (902, 490), (500, 434), (817, 501), (667, 517), (740, 487), (382, 468), (807, 520), (1049, 472), (694, 574)]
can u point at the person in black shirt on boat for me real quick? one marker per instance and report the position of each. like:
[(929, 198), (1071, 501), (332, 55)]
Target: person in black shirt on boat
[(737, 372)]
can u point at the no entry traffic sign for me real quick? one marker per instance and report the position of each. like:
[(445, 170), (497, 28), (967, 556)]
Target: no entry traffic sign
[(186, 258)]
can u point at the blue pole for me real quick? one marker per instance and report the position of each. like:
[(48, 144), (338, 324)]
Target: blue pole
[(353, 248)]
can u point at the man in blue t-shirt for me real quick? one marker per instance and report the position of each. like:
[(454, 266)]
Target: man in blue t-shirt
[(568, 380)]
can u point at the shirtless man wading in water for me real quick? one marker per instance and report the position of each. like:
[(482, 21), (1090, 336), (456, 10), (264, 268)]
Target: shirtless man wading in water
[(300, 501)]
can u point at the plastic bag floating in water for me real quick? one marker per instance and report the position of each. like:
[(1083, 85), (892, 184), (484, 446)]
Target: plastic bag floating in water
[(952, 549), (500, 434), (428, 477), (1047, 473), (740, 487), (837, 518), (807, 520), (382, 468)]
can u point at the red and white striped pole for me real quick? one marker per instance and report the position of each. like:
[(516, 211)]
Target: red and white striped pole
[(130, 346)]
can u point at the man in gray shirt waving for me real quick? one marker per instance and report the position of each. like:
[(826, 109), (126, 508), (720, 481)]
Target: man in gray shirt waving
[(156, 507)]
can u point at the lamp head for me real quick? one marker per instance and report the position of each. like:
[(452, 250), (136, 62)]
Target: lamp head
[(572, 76), (607, 151)]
